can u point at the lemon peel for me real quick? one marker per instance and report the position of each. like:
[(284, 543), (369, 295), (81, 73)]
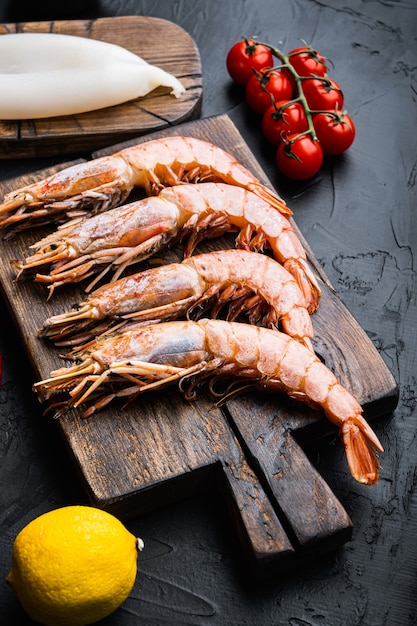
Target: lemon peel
[(73, 566)]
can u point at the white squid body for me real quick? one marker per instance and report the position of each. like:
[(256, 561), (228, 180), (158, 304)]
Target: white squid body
[(47, 75)]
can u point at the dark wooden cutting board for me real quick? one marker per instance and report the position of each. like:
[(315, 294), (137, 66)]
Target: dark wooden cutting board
[(159, 42), (161, 448)]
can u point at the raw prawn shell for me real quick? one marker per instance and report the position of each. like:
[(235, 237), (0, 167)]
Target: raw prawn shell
[(77, 251), (103, 183), (236, 281), (48, 74), (132, 232), (141, 359)]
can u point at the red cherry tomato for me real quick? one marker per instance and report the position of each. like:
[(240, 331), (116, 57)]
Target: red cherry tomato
[(283, 119), (307, 62), (335, 131), (323, 94), (299, 157), (262, 85), (244, 56)]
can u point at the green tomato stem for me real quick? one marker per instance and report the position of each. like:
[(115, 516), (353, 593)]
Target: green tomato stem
[(285, 63)]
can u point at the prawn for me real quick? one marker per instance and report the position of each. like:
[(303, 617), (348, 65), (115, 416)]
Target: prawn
[(133, 232), (103, 183), (134, 361), (237, 280)]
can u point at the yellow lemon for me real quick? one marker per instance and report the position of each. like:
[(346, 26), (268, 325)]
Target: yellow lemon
[(73, 566)]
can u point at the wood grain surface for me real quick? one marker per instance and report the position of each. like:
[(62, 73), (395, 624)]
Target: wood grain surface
[(161, 448), (159, 42)]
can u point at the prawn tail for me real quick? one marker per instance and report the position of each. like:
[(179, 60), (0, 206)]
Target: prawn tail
[(269, 196), (361, 445), (306, 280)]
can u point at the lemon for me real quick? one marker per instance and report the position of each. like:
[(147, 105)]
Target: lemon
[(73, 566)]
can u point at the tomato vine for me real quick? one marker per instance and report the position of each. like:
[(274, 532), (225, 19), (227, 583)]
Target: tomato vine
[(328, 128)]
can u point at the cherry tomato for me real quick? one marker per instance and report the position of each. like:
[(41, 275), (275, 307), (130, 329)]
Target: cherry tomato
[(335, 131), (244, 56), (299, 157), (307, 62), (323, 94), (283, 119), (264, 84)]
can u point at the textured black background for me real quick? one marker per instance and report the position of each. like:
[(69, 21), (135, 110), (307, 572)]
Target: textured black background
[(358, 215)]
